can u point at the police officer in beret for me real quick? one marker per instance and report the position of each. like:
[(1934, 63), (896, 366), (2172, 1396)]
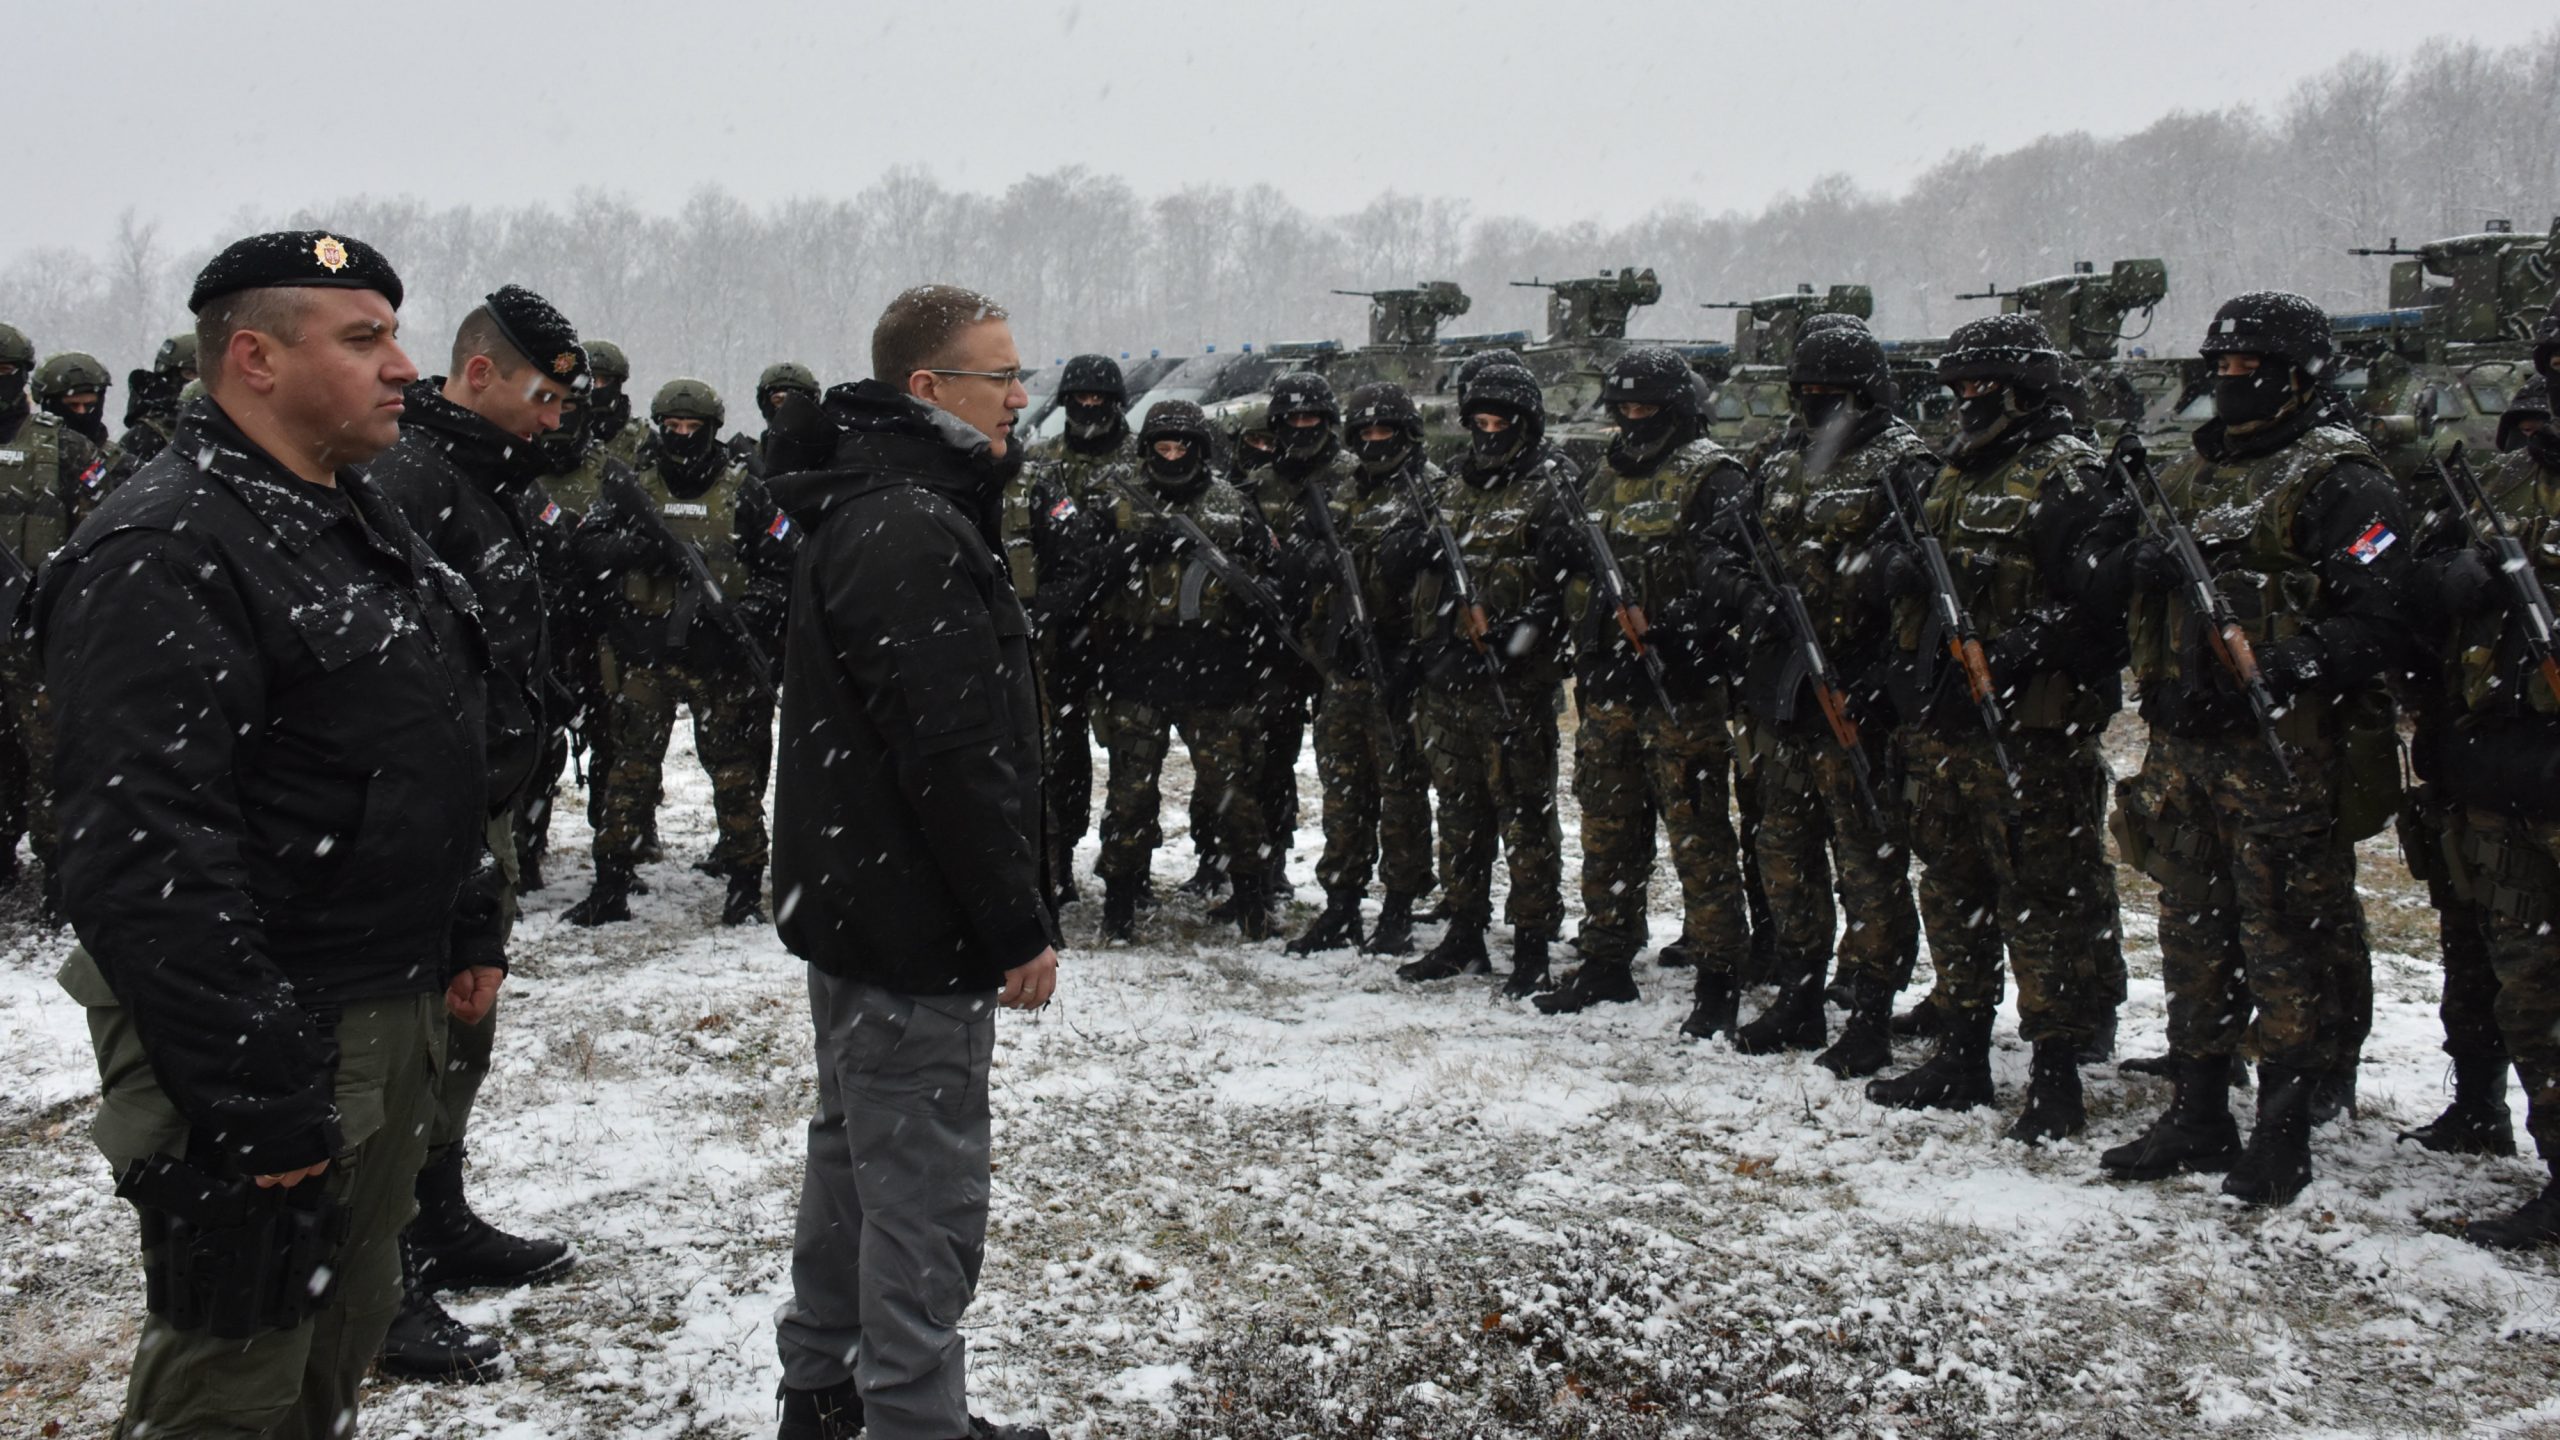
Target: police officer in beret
[(466, 474), (272, 797)]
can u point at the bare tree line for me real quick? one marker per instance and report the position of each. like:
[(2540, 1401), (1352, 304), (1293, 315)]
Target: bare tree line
[(2438, 142)]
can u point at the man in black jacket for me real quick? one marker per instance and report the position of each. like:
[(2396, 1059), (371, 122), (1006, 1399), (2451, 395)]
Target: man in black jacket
[(906, 864), (271, 784), (463, 473)]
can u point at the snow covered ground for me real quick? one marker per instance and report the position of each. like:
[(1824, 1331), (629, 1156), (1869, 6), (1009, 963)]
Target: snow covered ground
[(1242, 1194)]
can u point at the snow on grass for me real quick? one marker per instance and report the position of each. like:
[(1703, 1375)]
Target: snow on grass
[(1243, 1194)]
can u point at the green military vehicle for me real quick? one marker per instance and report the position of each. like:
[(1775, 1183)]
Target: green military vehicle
[(2085, 312), (1748, 403), (2443, 362)]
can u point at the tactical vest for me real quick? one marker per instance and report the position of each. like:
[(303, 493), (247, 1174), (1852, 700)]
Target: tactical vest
[(1361, 522), (1151, 596), (1642, 517), (1980, 519), (1824, 524), (1496, 531), (2487, 662), (2243, 516), (625, 442), (708, 522), (580, 488), (33, 519)]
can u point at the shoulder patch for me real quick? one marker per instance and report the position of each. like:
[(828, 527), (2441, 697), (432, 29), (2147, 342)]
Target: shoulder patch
[(780, 527), (550, 513), (2369, 546)]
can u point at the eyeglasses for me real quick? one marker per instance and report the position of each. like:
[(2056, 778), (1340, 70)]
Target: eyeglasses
[(1006, 377)]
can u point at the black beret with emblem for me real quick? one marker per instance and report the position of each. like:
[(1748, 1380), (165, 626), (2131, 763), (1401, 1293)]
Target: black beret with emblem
[(295, 258), (536, 328)]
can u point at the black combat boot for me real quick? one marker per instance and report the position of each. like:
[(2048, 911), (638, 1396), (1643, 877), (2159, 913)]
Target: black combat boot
[(1593, 982), (425, 1343), (529, 870), (1460, 952), (610, 900), (1120, 906), (2196, 1133), (2101, 1047), (1713, 1010), (651, 852), (2477, 1122), (1680, 954), (1394, 935), (2333, 1093), (989, 1430), (1956, 1076), (1921, 1022), (1865, 1045), (2277, 1163), (2167, 1067), (834, 1413), (744, 904), (1793, 1021), (2536, 1223), (2054, 1107), (1337, 927), (1208, 878), (450, 1248), (1529, 974), (1250, 904)]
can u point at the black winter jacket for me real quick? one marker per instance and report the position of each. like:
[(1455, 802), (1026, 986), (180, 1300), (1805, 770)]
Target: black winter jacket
[(907, 800), (269, 772)]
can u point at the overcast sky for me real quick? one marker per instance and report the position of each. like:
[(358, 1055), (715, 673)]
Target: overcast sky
[(1553, 109)]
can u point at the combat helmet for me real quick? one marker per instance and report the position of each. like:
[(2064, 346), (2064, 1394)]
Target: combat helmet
[(687, 399), (2272, 323)]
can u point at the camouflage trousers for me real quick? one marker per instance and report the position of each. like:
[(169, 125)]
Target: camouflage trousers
[(732, 733), (1377, 793), (1633, 765), (1223, 748), (1066, 751), (1752, 970), (1280, 727), (2510, 871), (1496, 783), (1815, 838), (29, 742), (2468, 1005), (2257, 900), (2025, 874)]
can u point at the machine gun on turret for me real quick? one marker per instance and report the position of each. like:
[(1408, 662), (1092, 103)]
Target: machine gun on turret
[(1596, 308), (2085, 311), (2496, 284), (1764, 330), (1412, 317)]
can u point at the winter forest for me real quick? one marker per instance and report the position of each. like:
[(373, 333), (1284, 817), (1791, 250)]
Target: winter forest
[(2270, 193)]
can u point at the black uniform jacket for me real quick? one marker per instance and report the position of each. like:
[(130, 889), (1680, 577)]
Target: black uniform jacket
[(269, 775), (907, 799)]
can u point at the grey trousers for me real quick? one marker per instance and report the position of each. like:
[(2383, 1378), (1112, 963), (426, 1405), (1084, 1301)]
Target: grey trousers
[(893, 1205)]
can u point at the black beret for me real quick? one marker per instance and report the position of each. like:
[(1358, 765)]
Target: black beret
[(295, 257), (540, 333)]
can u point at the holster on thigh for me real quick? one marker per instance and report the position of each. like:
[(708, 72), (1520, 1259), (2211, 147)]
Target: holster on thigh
[(2498, 867), (222, 1255)]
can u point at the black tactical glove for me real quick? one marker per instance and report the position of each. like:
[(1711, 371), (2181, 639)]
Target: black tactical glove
[(1899, 571), (2466, 583), (1159, 541), (2149, 567)]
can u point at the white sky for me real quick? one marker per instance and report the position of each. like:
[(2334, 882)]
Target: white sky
[(1553, 109)]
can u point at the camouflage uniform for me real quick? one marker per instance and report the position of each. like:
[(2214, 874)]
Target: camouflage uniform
[(1289, 687), (1082, 483), (1824, 521), (1163, 664), (1633, 762), (647, 671), (2501, 847), (2027, 872), (51, 477), (1495, 775)]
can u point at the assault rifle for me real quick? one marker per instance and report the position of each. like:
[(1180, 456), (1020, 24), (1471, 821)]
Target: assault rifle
[(2525, 600), (1470, 610), (1949, 622), (1809, 665), (705, 590), (1239, 581), (1613, 588), (2130, 465)]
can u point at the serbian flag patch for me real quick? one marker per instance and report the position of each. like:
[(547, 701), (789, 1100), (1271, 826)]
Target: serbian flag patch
[(551, 513), (1065, 507), (780, 527), (2372, 543)]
